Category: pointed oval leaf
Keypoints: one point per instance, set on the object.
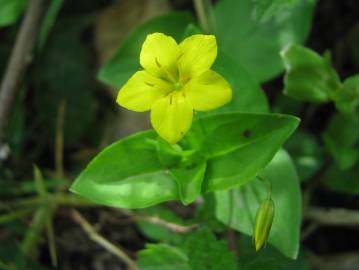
(237, 146)
(237, 207)
(127, 174)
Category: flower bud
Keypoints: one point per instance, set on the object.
(263, 223)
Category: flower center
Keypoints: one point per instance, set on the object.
(178, 86)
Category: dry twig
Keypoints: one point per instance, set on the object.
(19, 60)
(96, 237)
(177, 228)
(333, 216)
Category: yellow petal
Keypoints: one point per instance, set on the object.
(198, 53)
(141, 91)
(208, 91)
(159, 55)
(172, 116)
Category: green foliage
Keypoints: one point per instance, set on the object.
(127, 174)
(125, 62)
(341, 138)
(244, 149)
(214, 168)
(268, 258)
(189, 181)
(200, 251)
(247, 94)
(347, 100)
(49, 21)
(11, 10)
(266, 9)
(309, 77)
(52, 74)
(162, 257)
(342, 181)
(16, 130)
(130, 174)
(255, 45)
(306, 153)
(237, 207)
(205, 252)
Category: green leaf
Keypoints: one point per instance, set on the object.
(127, 174)
(205, 252)
(306, 153)
(347, 99)
(340, 139)
(268, 258)
(239, 146)
(205, 214)
(125, 62)
(237, 207)
(162, 257)
(130, 173)
(247, 95)
(200, 251)
(64, 56)
(255, 45)
(11, 10)
(266, 9)
(189, 181)
(342, 181)
(309, 77)
(49, 21)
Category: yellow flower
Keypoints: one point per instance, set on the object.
(176, 80)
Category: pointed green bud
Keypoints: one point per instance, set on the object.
(263, 224)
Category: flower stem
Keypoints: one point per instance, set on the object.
(205, 15)
(268, 183)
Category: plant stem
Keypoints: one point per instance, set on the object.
(205, 15)
(15, 215)
(32, 236)
(19, 60)
(60, 199)
(59, 141)
(51, 238)
(99, 239)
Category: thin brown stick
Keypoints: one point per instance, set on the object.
(173, 227)
(19, 60)
(334, 261)
(333, 216)
(308, 231)
(177, 228)
(232, 241)
(99, 239)
(59, 140)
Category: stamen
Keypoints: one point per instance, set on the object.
(158, 63)
(149, 84)
(179, 57)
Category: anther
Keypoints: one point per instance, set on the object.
(158, 63)
(149, 84)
